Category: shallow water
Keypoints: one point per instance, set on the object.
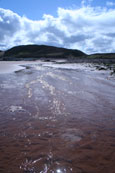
(12, 66)
(57, 120)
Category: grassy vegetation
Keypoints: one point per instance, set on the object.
(41, 51)
(102, 56)
(35, 52)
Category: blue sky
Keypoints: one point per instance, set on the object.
(88, 25)
(34, 9)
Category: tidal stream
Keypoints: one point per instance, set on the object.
(56, 118)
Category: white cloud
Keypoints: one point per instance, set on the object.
(86, 2)
(110, 3)
(83, 2)
(88, 29)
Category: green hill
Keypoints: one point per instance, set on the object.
(35, 52)
(40, 51)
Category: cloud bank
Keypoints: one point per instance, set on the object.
(88, 29)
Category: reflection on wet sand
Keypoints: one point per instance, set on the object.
(55, 120)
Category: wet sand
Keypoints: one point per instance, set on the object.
(57, 118)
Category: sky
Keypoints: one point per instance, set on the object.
(87, 25)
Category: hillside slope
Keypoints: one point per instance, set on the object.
(40, 51)
(36, 52)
